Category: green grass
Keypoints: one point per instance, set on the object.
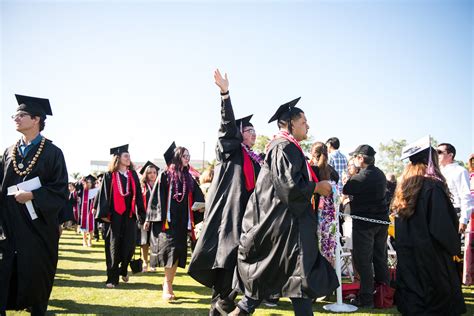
(79, 288)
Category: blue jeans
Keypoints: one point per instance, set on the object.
(301, 306)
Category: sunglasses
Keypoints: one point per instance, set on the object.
(440, 152)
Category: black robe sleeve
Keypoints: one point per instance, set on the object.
(443, 222)
(354, 185)
(103, 201)
(198, 196)
(157, 200)
(230, 137)
(140, 206)
(291, 183)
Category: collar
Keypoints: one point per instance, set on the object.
(35, 141)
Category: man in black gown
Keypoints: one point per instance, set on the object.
(29, 254)
(215, 255)
(278, 251)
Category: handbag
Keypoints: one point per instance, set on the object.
(383, 297)
(136, 265)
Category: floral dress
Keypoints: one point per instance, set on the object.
(327, 223)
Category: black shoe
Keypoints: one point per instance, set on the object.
(361, 304)
(225, 306)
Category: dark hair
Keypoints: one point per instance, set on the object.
(176, 170)
(449, 149)
(320, 159)
(333, 142)
(284, 121)
(368, 160)
(41, 122)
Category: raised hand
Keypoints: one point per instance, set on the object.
(221, 82)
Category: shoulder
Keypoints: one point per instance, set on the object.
(48, 145)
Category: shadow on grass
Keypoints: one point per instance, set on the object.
(81, 272)
(81, 259)
(70, 306)
(83, 250)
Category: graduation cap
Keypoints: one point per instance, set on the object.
(119, 150)
(33, 106)
(243, 122)
(169, 153)
(146, 165)
(90, 178)
(285, 110)
(418, 150)
(100, 176)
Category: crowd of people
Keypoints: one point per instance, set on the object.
(263, 226)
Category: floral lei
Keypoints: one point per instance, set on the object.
(253, 155)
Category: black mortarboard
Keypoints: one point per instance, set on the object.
(363, 150)
(169, 153)
(418, 150)
(288, 109)
(100, 176)
(90, 178)
(243, 122)
(33, 106)
(147, 164)
(119, 150)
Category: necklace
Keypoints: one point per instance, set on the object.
(120, 189)
(254, 156)
(32, 162)
(176, 189)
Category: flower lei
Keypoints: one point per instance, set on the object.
(253, 155)
(174, 179)
(119, 184)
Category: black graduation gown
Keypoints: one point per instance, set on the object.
(104, 203)
(120, 238)
(31, 247)
(427, 279)
(227, 198)
(144, 240)
(278, 251)
(170, 245)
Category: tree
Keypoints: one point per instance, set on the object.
(306, 144)
(389, 156)
(76, 175)
(261, 144)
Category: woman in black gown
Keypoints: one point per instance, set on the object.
(427, 239)
(170, 217)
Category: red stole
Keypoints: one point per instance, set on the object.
(119, 200)
(249, 171)
(146, 188)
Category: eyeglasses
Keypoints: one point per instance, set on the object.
(19, 115)
(250, 130)
(441, 152)
(187, 156)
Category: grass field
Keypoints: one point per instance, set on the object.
(79, 288)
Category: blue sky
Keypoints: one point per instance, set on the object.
(141, 72)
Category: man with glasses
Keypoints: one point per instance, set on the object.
(29, 213)
(215, 255)
(457, 179)
(369, 239)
